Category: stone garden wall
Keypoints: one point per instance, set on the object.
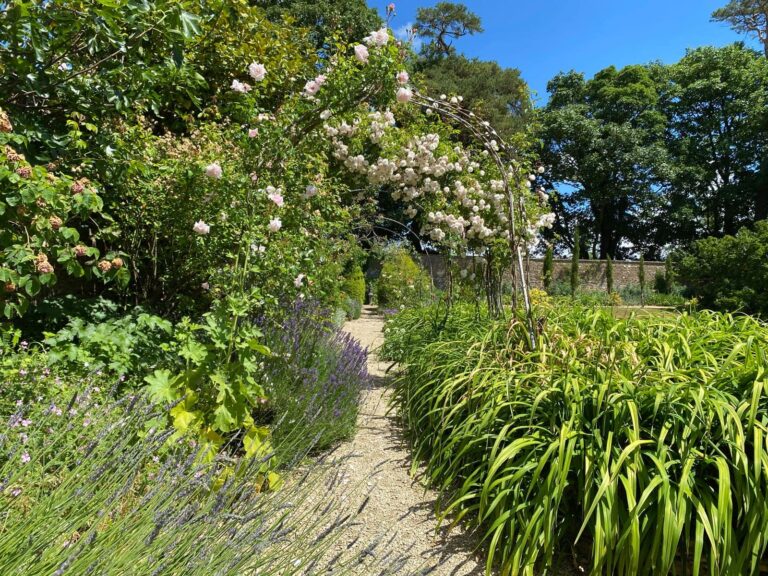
(591, 272)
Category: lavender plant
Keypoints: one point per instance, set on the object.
(90, 487)
(315, 375)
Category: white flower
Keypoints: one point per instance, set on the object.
(310, 191)
(253, 132)
(325, 114)
(402, 77)
(540, 170)
(546, 220)
(213, 170)
(275, 224)
(257, 71)
(201, 228)
(299, 281)
(311, 88)
(464, 273)
(404, 95)
(205, 286)
(241, 87)
(361, 53)
(379, 37)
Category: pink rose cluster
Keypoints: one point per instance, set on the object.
(213, 170)
(313, 86)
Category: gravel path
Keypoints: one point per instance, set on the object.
(399, 512)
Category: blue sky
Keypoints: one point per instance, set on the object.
(543, 37)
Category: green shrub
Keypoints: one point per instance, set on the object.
(132, 344)
(575, 262)
(45, 231)
(547, 268)
(729, 273)
(402, 281)
(353, 292)
(638, 444)
(352, 308)
(354, 284)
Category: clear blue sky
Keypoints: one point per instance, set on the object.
(543, 37)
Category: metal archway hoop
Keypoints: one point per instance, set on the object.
(486, 135)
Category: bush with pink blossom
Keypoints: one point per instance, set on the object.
(47, 233)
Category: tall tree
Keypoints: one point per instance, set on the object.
(497, 94)
(444, 23)
(748, 17)
(717, 139)
(603, 140)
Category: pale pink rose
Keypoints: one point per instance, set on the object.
(402, 77)
(205, 286)
(311, 88)
(320, 80)
(277, 199)
(253, 132)
(299, 281)
(361, 53)
(404, 95)
(213, 170)
(379, 37)
(275, 224)
(257, 71)
(201, 228)
(310, 191)
(241, 87)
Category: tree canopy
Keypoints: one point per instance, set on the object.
(444, 23)
(652, 157)
(748, 17)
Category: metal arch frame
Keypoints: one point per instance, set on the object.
(485, 134)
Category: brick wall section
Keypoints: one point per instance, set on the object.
(591, 272)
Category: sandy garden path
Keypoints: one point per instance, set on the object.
(400, 511)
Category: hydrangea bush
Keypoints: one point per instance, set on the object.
(47, 229)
